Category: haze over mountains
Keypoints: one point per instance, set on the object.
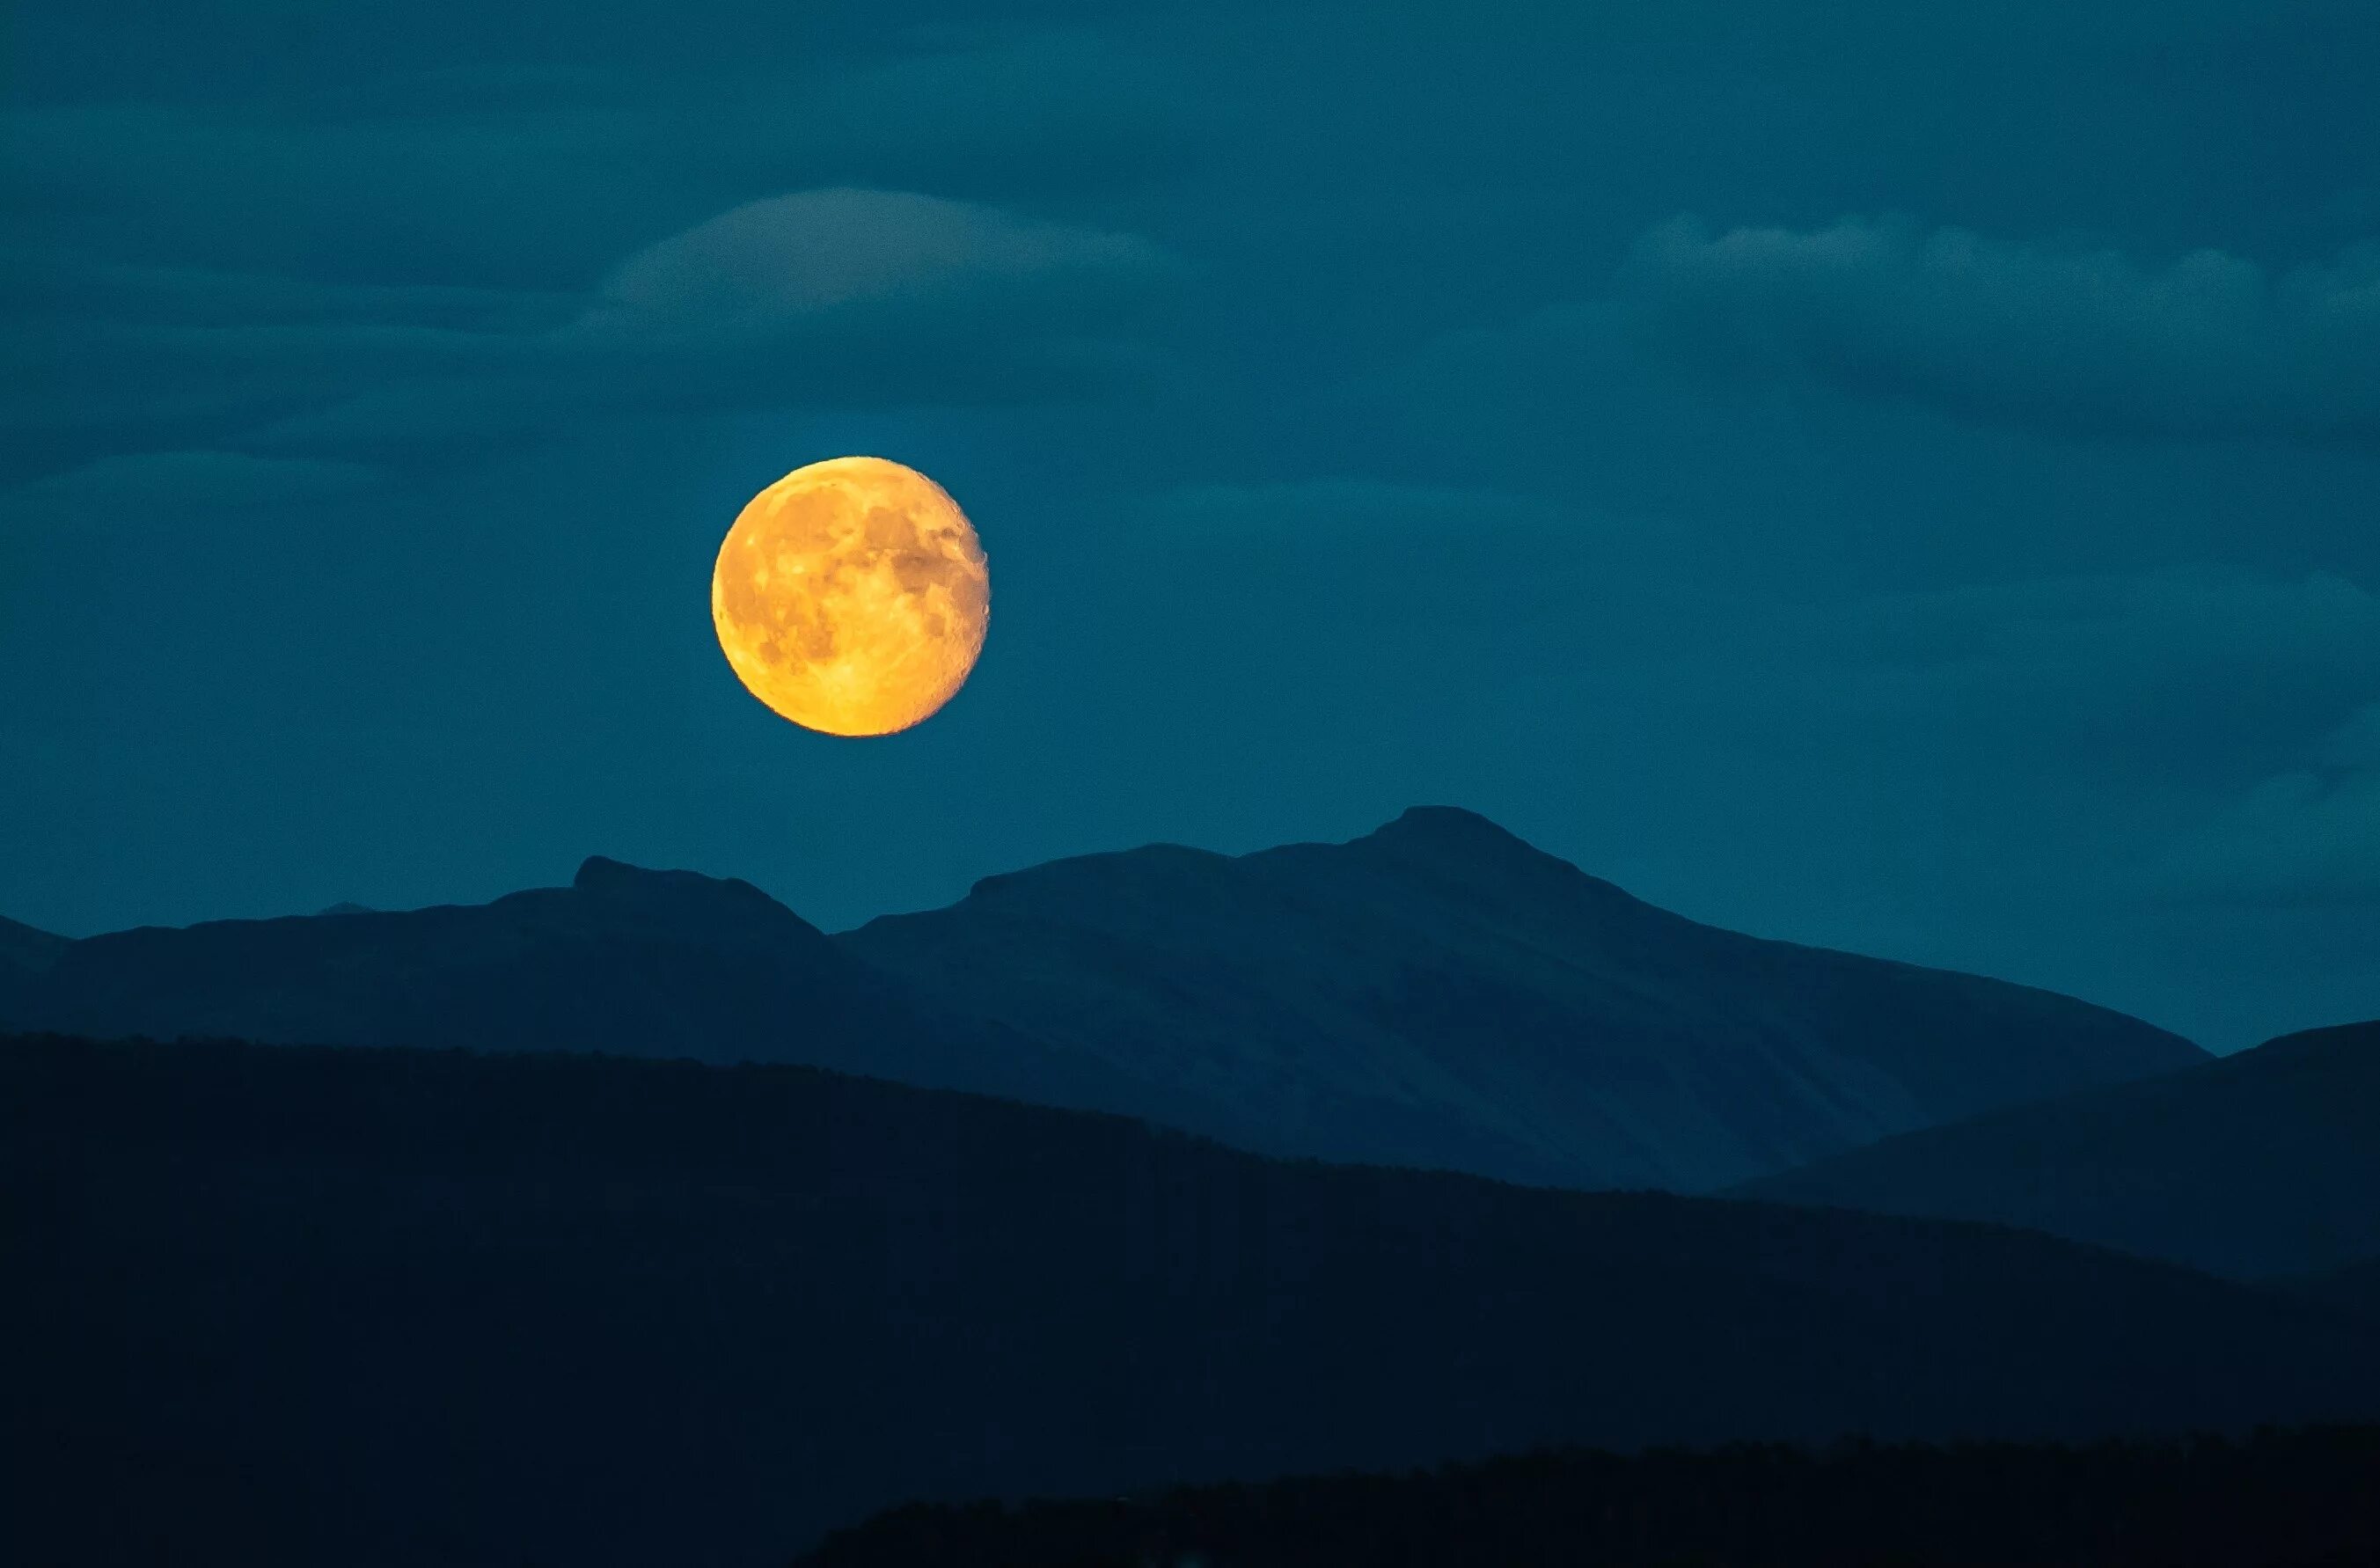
(1437, 993)
(2264, 1163)
(294, 1307)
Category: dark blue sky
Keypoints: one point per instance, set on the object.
(1904, 477)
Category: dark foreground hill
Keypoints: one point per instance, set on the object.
(623, 960)
(2355, 1286)
(278, 1305)
(2280, 1500)
(1439, 993)
(2262, 1163)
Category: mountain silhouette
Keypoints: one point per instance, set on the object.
(25, 954)
(1439, 993)
(623, 960)
(2264, 1163)
(371, 1306)
(24, 951)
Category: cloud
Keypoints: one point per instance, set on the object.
(533, 176)
(2125, 629)
(2304, 837)
(180, 480)
(2355, 743)
(2308, 836)
(2180, 679)
(1338, 509)
(775, 267)
(839, 295)
(2070, 339)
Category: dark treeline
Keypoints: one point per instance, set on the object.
(279, 1305)
(2277, 1500)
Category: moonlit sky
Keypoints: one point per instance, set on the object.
(1898, 477)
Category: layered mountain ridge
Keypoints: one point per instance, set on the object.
(1437, 993)
(623, 960)
(2265, 1163)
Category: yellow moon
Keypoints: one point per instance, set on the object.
(852, 597)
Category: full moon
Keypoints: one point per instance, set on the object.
(851, 596)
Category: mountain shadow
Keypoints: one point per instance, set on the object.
(2280, 1500)
(1438, 993)
(2260, 1164)
(287, 1305)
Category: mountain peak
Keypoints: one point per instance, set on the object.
(1452, 838)
(1449, 824)
(723, 905)
(600, 873)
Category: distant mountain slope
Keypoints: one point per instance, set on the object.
(2262, 1163)
(628, 961)
(25, 951)
(2278, 1499)
(274, 1306)
(1438, 993)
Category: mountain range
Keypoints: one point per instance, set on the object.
(1436, 994)
(2262, 1163)
(624, 960)
(284, 1305)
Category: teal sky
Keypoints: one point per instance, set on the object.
(1893, 477)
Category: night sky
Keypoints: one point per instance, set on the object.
(1897, 477)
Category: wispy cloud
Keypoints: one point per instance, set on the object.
(2090, 340)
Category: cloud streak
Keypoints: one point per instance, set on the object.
(2087, 341)
(180, 482)
(841, 296)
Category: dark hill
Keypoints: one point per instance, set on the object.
(1438, 993)
(625, 961)
(274, 1305)
(2262, 1163)
(2280, 1500)
(2355, 1286)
